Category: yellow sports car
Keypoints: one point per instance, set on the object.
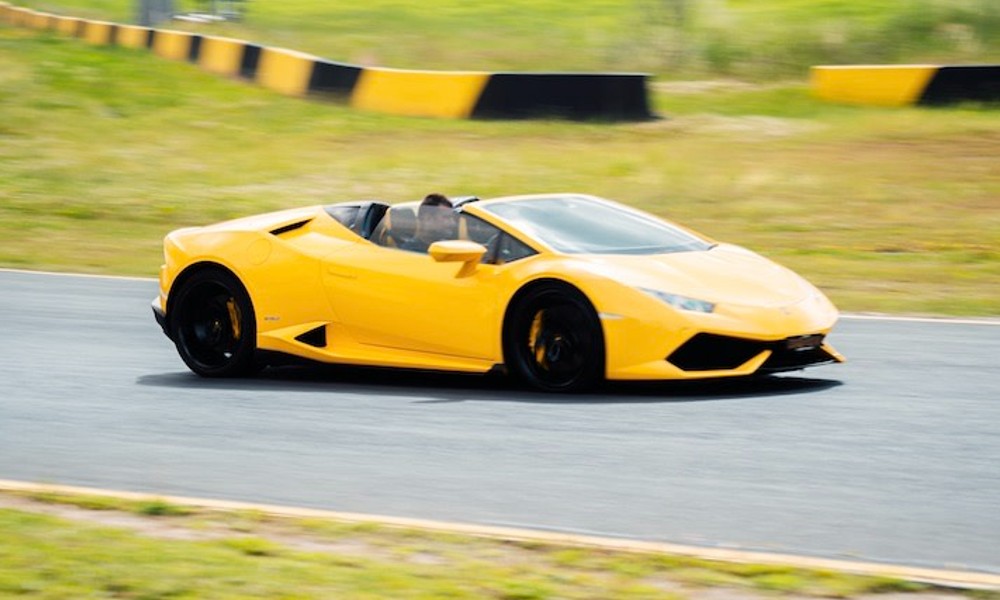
(561, 290)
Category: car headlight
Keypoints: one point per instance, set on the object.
(681, 302)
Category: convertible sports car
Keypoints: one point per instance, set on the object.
(560, 290)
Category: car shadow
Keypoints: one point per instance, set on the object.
(437, 388)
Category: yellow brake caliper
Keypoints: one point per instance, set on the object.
(234, 317)
(539, 349)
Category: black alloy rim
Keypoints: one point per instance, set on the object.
(211, 325)
(556, 352)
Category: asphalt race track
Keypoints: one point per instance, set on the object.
(892, 457)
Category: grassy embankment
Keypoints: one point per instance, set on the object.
(170, 551)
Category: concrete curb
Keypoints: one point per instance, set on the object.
(942, 577)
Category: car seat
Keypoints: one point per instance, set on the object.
(397, 229)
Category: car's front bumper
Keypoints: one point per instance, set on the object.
(729, 343)
(160, 316)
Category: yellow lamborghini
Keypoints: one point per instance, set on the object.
(560, 290)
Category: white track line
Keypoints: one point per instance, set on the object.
(945, 577)
(944, 320)
(83, 275)
(851, 316)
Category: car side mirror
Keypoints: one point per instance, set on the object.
(469, 253)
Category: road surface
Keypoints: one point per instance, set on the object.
(894, 456)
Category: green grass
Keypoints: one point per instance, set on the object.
(234, 555)
(104, 150)
(146, 507)
(756, 39)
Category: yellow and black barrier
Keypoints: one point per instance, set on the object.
(419, 93)
(100, 33)
(132, 36)
(905, 85)
(221, 56)
(620, 96)
(603, 96)
(174, 45)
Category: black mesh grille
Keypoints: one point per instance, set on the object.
(791, 360)
(711, 352)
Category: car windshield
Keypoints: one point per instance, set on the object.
(582, 225)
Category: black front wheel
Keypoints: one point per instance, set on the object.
(553, 340)
(213, 325)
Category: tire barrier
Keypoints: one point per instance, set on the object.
(451, 94)
(905, 85)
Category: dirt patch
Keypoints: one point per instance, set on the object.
(746, 128)
(701, 87)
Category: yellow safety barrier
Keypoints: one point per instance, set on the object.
(175, 45)
(221, 55)
(880, 85)
(18, 16)
(68, 25)
(98, 32)
(285, 71)
(418, 93)
(131, 36)
(39, 20)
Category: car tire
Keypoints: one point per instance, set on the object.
(213, 325)
(553, 339)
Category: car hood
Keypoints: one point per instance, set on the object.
(724, 274)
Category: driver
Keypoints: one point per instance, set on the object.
(436, 221)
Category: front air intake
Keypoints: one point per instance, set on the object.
(711, 352)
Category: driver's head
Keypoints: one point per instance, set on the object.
(436, 217)
(435, 200)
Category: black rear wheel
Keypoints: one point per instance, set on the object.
(553, 340)
(213, 325)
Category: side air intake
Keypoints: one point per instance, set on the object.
(290, 227)
(314, 337)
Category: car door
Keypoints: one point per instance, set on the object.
(406, 300)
